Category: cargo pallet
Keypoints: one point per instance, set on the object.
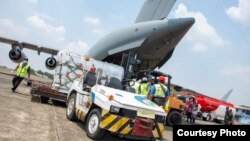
(41, 92)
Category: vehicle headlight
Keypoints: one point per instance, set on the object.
(114, 109)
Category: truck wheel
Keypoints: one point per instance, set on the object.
(92, 125)
(208, 117)
(71, 107)
(174, 118)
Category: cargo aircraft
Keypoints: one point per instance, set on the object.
(144, 45)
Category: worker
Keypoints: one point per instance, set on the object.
(194, 112)
(230, 116)
(159, 93)
(227, 117)
(144, 87)
(22, 70)
(151, 81)
(92, 68)
(191, 109)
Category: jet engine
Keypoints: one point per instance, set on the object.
(16, 55)
(50, 63)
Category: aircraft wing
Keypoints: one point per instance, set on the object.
(30, 46)
(154, 10)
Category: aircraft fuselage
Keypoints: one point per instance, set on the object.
(153, 42)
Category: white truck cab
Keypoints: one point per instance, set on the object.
(99, 100)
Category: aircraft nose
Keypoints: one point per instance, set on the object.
(181, 24)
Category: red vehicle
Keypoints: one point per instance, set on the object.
(210, 108)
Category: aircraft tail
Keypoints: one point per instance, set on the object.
(226, 96)
(154, 10)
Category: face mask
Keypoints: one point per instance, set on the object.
(25, 61)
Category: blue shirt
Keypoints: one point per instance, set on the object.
(153, 89)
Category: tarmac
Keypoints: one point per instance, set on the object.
(23, 120)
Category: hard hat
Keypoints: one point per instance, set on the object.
(152, 78)
(161, 78)
(144, 79)
(93, 69)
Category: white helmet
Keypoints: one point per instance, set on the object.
(151, 77)
(144, 79)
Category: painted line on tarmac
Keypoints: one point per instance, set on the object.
(54, 121)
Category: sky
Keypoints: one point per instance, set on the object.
(212, 58)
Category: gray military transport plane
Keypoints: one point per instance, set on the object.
(146, 44)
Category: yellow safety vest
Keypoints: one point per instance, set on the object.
(159, 92)
(22, 71)
(137, 90)
(136, 87)
(167, 105)
(144, 89)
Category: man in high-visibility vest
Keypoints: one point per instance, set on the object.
(22, 70)
(144, 87)
(159, 93)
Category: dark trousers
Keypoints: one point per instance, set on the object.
(159, 101)
(189, 116)
(16, 81)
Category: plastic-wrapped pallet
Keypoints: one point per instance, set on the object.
(108, 69)
(71, 67)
